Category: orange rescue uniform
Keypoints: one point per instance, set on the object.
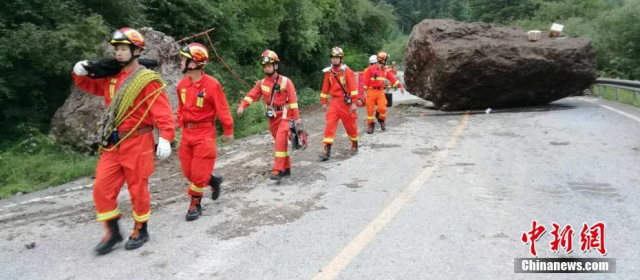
(338, 108)
(374, 79)
(132, 161)
(284, 100)
(200, 102)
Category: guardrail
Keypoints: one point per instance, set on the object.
(623, 91)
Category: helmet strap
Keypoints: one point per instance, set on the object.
(275, 70)
(340, 63)
(186, 66)
(132, 48)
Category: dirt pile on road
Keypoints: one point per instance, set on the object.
(74, 123)
(460, 66)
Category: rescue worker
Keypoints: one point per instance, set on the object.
(392, 69)
(201, 100)
(136, 102)
(374, 79)
(280, 97)
(340, 84)
(372, 61)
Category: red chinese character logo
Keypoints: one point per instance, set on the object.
(593, 237)
(562, 238)
(533, 236)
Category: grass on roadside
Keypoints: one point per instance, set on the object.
(37, 162)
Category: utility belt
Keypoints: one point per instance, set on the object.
(273, 110)
(347, 100)
(198, 125)
(377, 88)
(115, 135)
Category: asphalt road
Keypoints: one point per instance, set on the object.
(436, 196)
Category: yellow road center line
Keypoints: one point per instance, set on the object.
(348, 253)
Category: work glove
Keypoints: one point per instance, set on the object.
(79, 69)
(164, 149)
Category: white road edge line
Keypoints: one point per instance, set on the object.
(635, 118)
(348, 253)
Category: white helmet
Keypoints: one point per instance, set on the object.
(373, 59)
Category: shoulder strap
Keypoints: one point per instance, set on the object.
(344, 91)
(273, 88)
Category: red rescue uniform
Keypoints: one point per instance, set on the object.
(132, 161)
(338, 108)
(200, 103)
(374, 79)
(284, 100)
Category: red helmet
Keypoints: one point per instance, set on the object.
(336, 52)
(127, 36)
(382, 57)
(269, 56)
(196, 52)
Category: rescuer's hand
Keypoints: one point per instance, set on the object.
(164, 149)
(227, 138)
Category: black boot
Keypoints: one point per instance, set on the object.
(354, 147)
(195, 210)
(371, 128)
(326, 152)
(286, 172)
(111, 238)
(138, 237)
(383, 126)
(216, 186)
(276, 175)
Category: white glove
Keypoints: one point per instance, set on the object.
(79, 68)
(164, 149)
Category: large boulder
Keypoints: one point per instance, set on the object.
(74, 123)
(461, 66)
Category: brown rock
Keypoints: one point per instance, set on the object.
(461, 66)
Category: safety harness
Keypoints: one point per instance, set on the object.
(123, 101)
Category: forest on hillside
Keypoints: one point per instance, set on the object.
(41, 39)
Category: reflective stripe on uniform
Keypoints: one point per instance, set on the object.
(370, 117)
(195, 188)
(324, 95)
(248, 99)
(183, 95)
(112, 87)
(107, 215)
(293, 106)
(327, 140)
(396, 83)
(354, 93)
(282, 154)
(265, 88)
(141, 218)
(354, 139)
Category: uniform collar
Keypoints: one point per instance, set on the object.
(277, 76)
(197, 83)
